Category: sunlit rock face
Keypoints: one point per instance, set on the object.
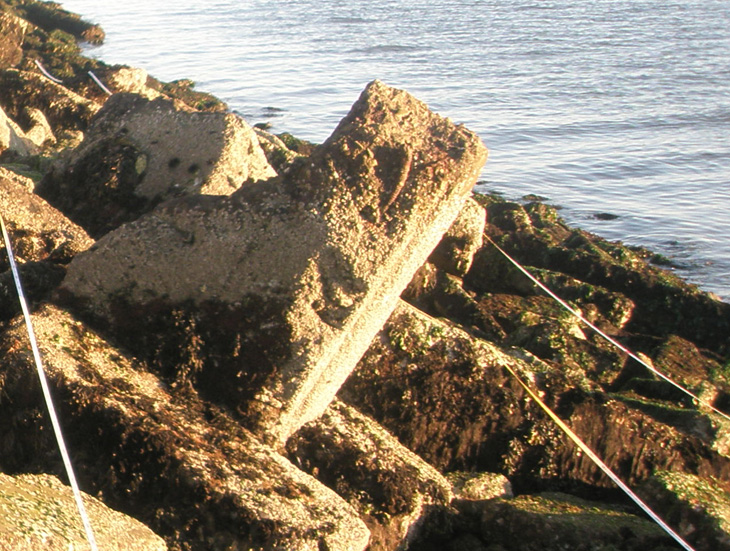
(138, 153)
(265, 299)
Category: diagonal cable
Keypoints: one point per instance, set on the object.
(603, 334)
(47, 393)
(597, 460)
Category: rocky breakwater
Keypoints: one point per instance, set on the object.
(256, 345)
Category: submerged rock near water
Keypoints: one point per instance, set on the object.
(273, 345)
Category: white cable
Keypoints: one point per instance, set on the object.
(603, 334)
(100, 83)
(47, 393)
(597, 460)
(48, 75)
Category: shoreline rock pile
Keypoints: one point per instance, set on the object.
(259, 344)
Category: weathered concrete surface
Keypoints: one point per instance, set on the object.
(182, 466)
(39, 512)
(392, 488)
(42, 239)
(275, 292)
(12, 32)
(138, 153)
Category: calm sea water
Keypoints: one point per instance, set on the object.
(599, 106)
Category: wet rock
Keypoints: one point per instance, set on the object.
(38, 512)
(446, 396)
(265, 300)
(663, 304)
(12, 32)
(391, 487)
(138, 153)
(182, 466)
(699, 508)
(441, 392)
(554, 522)
(50, 16)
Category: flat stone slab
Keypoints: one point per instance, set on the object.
(266, 299)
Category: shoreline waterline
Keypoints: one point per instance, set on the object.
(626, 116)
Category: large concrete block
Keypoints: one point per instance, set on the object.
(265, 300)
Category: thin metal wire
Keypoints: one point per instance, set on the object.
(597, 460)
(99, 83)
(47, 392)
(48, 75)
(604, 335)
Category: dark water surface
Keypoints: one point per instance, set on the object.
(599, 106)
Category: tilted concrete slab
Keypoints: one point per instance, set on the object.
(265, 300)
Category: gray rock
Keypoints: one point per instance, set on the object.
(391, 487)
(132, 80)
(40, 132)
(39, 512)
(138, 153)
(185, 468)
(266, 299)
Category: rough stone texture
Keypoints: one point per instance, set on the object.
(551, 521)
(12, 137)
(277, 153)
(38, 512)
(40, 132)
(391, 487)
(63, 109)
(455, 253)
(12, 32)
(37, 230)
(479, 486)
(444, 394)
(555, 522)
(138, 153)
(275, 292)
(23, 181)
(698, 508)
(183, 467)
(132, 80)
